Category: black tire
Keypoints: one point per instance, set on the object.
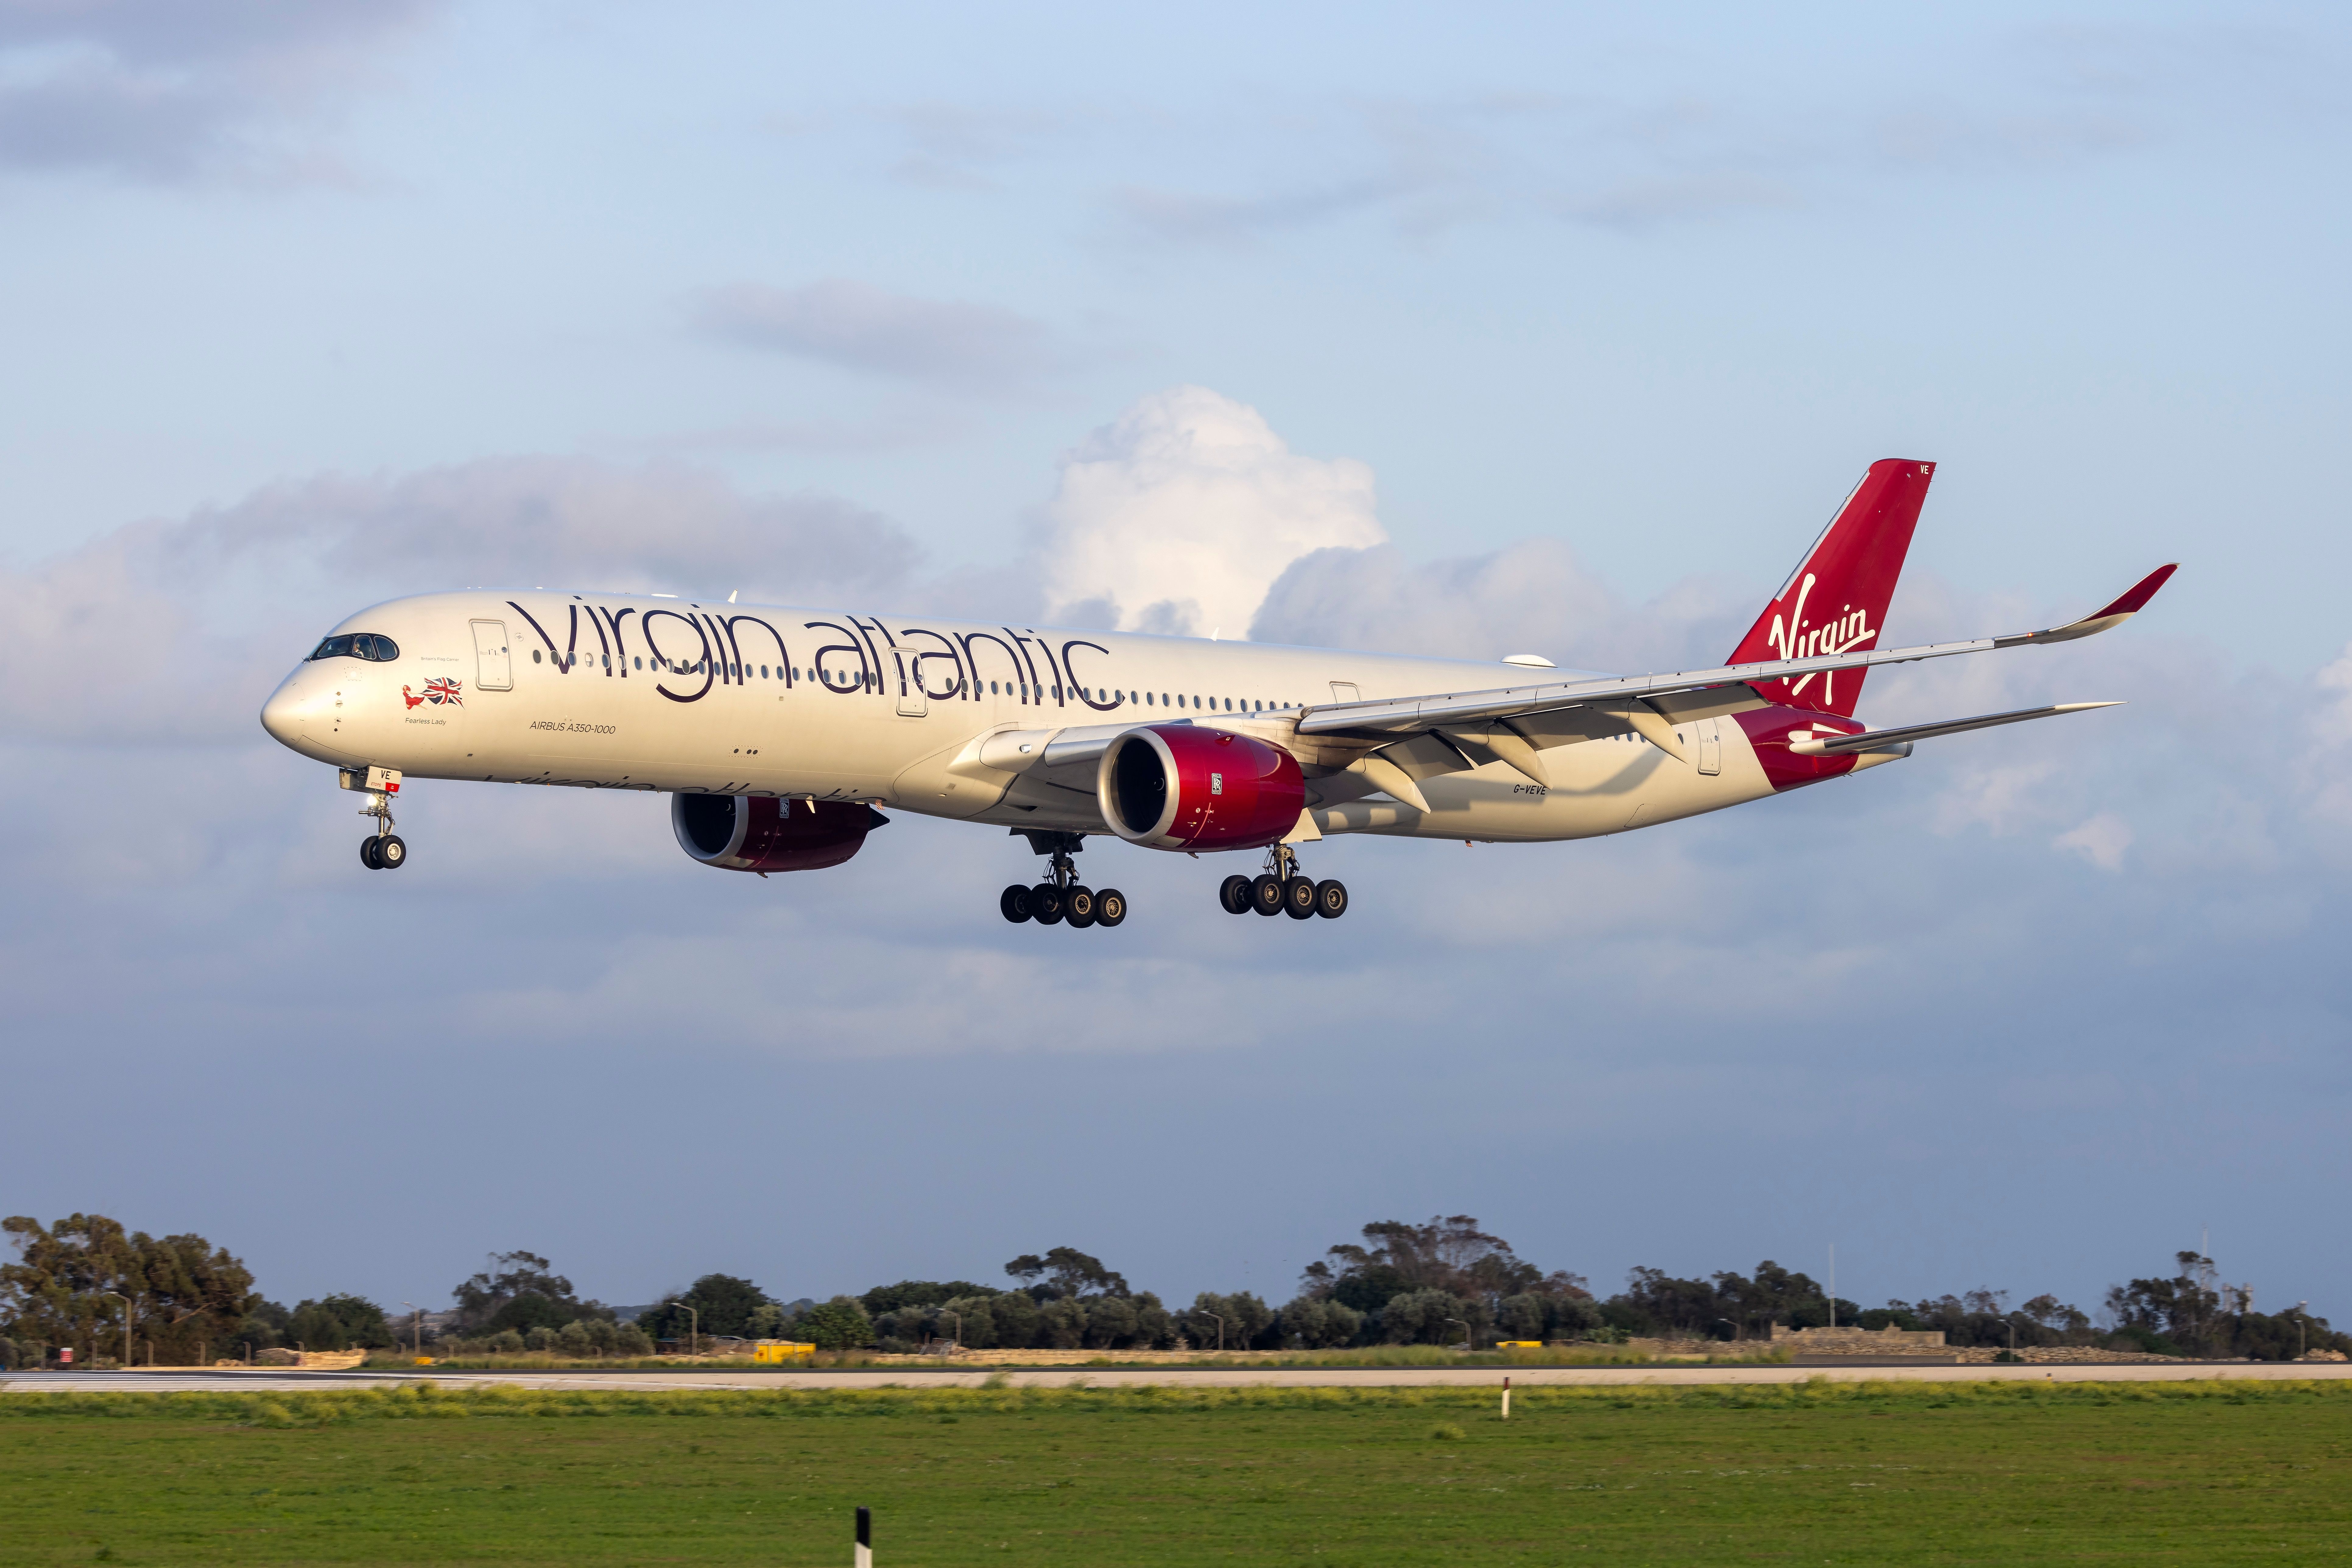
(1266, 894)
(1045, 905)
(367, 853)
(1234, 892)
(1013, 903)
(1110, 907)
(1081, 907)
(1331, 899)
(390, 853)
(1298, 898)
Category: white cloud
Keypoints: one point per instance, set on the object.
(2102, 841)
(1532, 597)
(861, 328)
(1178, 515)
(175, 631)
(171, 88)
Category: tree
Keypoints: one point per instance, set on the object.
(1246, 1319)
(726, 1302)
(1426, 1317)
(722, 1305)
(483, 1300)
(837, 1324)
(339, 1323)
(1450, 1253)
(1065, 1272)
(917, 1293)
(1314, 1324)
(185, 1293)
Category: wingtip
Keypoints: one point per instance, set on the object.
(2136, 598)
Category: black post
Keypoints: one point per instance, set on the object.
(864, 1558)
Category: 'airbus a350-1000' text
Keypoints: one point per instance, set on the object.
(778, 733)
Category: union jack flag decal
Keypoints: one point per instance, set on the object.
(444, 691)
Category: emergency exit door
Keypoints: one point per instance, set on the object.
(493, 672)
(913, 701)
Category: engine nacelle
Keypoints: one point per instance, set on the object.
(745, 833)
(1192, 786)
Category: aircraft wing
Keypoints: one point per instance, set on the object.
(1381, 721)
(1880, 739)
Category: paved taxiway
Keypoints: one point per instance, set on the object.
(171, 1380)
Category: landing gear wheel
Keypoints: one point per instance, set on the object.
(1110, 907)
(390, 853)
(1235, 894)
(1298, 898)
(1015, 904)
(1046, 904)
(1081, 904)
(367, 853)
(1266, 894)
(1331, 899)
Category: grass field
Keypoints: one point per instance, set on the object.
(2203, 1473)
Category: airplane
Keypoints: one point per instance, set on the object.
(780, 733)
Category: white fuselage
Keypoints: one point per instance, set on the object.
(645, 692)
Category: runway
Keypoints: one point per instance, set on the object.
(170, 1381)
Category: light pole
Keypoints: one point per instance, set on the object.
(126, 1323)
(1466, 1331)
(1221, 1328)
(956, 1344)
(2301, 1331)
(694, 1328)
(418, 1325)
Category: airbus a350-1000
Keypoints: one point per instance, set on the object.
(777, 732)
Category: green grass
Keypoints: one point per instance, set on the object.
(1845, 1473)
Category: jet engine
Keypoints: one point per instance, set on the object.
(1192, 786)
(744, 833)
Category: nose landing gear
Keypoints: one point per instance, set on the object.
(1281, 890)
(382, 849)
(1060, 899)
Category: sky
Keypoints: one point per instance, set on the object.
(1465, 331)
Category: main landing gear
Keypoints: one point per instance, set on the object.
(1060, 898)
(381, 850)
(1280, 889)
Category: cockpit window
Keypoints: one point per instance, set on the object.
(368, 645)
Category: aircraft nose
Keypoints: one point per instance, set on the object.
(284, 714)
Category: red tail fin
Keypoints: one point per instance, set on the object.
(1836, 599)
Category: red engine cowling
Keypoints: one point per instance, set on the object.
(1190, 786)
(743, 833)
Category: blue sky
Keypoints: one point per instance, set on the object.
(1591, 315)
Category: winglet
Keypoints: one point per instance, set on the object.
(2133, 601)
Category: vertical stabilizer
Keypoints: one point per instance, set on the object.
(1836, 599)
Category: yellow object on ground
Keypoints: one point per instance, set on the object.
(776, 1351)
(1519, 1344)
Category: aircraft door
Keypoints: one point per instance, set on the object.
(1710, 746)
(913, 701)
(493, 672)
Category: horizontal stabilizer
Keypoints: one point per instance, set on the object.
(1880, 739)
